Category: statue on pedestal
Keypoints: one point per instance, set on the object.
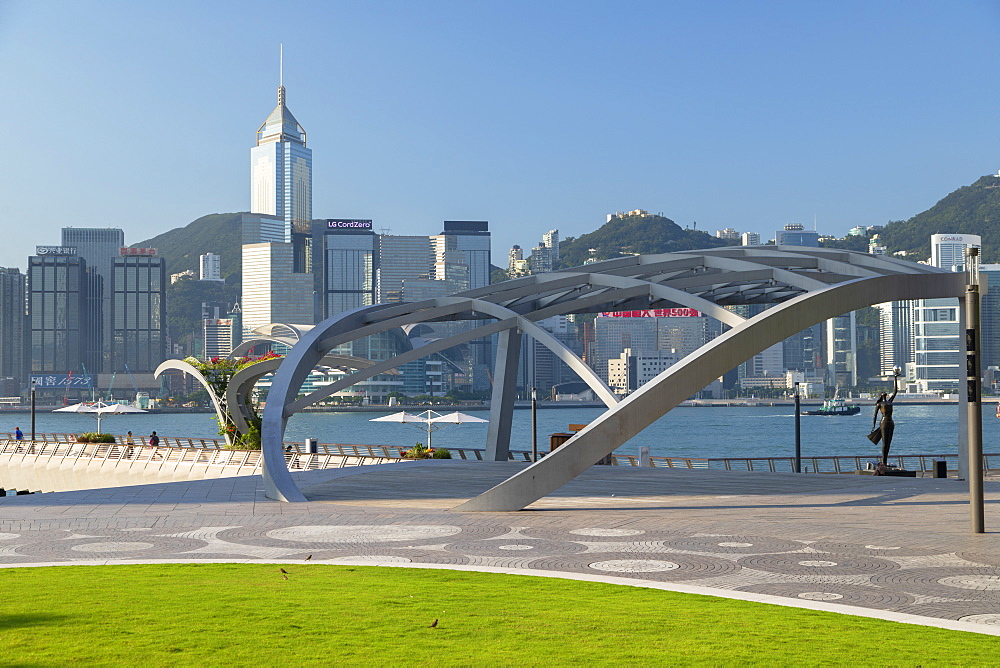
(882, 431)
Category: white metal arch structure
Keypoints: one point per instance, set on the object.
(816, 284)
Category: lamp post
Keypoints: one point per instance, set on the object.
(32, 410)
(534, 425)
(973, 394)
(798, 430)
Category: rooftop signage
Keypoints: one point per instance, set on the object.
(348, 224)
(654, 313)
(55, 250)
(125, 252)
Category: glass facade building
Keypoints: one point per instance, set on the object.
(281, 169)
(138, 315)
(12, 326)
(345, 265)
(59, 320)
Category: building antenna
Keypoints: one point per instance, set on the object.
(281, 64)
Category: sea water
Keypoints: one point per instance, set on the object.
(684, 432)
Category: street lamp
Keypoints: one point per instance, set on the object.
(798, 431)
(33, 410)
(534, 425)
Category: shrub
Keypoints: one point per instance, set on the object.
(94, 437)
(441, 453)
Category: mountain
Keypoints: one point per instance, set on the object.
(632, 234)
(217, 233)
(973, 209)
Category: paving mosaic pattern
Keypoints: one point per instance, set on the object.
(893, 546)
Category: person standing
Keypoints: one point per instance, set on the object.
(18, 435)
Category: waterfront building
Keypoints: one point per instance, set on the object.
(540, 367)
(895, 335)
(12, 330)
(795, 234)
(402, 258)
(842, 350)
(750, 239)
(211, 267)
(990, 314)
(614, 333)
(281, 169)
(938, 346)
(59, 323)
(138, 315)
(465, 242)
(633, 369)
(345, 261)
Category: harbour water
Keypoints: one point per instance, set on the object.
(684, 432)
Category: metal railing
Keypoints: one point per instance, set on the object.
(333, 455)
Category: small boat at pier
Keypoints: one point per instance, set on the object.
(836, 406)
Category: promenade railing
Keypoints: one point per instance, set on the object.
(333, 455)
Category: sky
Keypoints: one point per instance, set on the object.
(532, 115)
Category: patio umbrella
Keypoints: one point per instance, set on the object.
(456, 418)
(99, 409)
(432, 419)
(407, 418)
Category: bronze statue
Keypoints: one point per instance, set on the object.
(883, 431)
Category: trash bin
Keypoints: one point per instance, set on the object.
(311, 446)
(940, 468)
(557, 439)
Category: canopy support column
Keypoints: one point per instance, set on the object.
(504, 394)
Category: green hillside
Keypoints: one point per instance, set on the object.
(973, 209)
(630, 235)
(217, 233)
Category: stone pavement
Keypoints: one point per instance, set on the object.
(894, 548)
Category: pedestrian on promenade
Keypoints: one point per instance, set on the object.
(129, 446)
(18, 436)
(154, 440)
(129, 440)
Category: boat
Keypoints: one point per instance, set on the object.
(836, 406)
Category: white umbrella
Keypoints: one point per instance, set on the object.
(432, 419)
(98, 409)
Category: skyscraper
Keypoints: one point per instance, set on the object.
(138, 314)
(281, 169)
(12, 323)
(272, 291)
(211, 267)
(466, 242)
(345, 265)
(402, 258)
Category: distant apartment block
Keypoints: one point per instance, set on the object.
(210, 266)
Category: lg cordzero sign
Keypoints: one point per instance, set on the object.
(345, 224)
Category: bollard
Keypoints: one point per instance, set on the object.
(312, 446)
(644, 456)
(940, 468)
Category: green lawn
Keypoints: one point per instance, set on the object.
(249, 615)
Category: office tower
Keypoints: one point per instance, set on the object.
(841, 350)
(98, 247)
(272, 290)
(402, 258)
(345, 259)
(938, 348)
(59, 321)
(795, 234)
(138, 314)
(464, 242)
(684, 330)
(221, 336)
(12, 329)
(211, 267)
(541, 368)
(633, 369)
(613, 334)
(989, 276)
(803, 351)
(895, 335)
(551, 241)
(281, 169)
(257, 228)
(750, 239)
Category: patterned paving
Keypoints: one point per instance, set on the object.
(884, 547)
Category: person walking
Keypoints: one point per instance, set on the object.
(154, 440)
(18, 435)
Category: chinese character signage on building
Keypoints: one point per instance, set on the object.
(654, 313)
(55, 250)
(61, 380)
(124, 252)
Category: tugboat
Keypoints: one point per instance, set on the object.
(836, 406)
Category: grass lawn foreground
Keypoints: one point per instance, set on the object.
(249, 614)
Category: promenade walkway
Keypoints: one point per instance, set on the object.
(894, 548)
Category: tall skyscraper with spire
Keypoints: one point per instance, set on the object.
(281, 169)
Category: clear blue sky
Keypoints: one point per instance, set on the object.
(531, 115)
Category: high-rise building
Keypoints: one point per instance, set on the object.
(345, 265)
(210, 266)
(59, 319)
(221, 336)
(281, 169)
(614, 334)
(541, 259)
(750, 239)
(402, 258)
(272, 290)
(841, 350)
(464, 242)
(551, 241)
(729, 234)
(989, 275)
(99, 247)
(895, 335)
(12, 328)
(937, 344)
(633, 369)
(138, 314)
